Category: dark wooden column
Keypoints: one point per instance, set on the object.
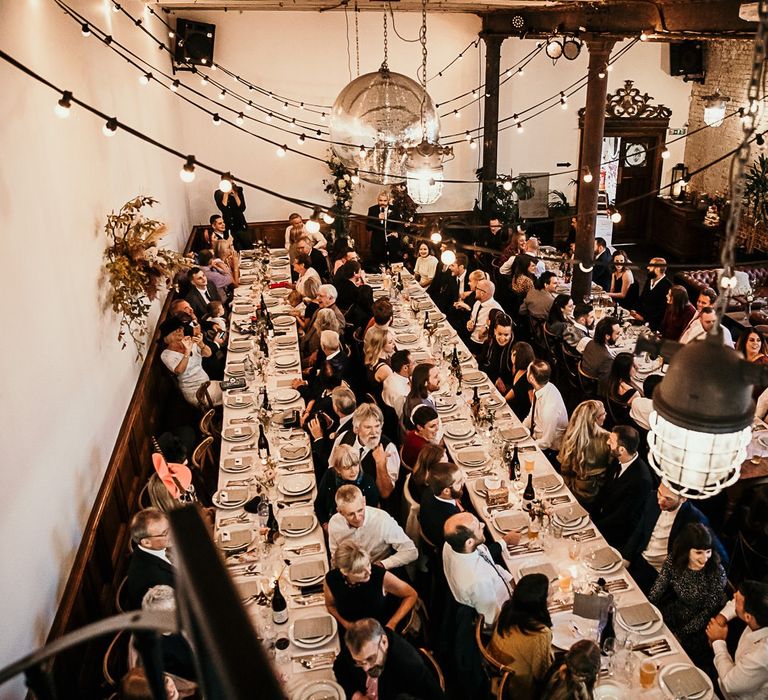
(491, 109)
(591, 152)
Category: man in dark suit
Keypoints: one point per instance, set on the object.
(316, 257)
(149, 565)
(653, 298)
(201, 292)
(601, 274)
(457, 288)
(665, 514)
(441, 500)
(326, 430)
(380, 228)
(623, 496)
(378, 663)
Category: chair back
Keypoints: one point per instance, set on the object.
(114, 664)
(433, 666)
(207, 424)
(618, 411)
(570, 364)
(494, 666)
(204, 400)
(587, 382)
(121, 605)
(746, 563)
(502, 690)
(144, 499)
(411, 512)
(201, 455)
(429, 546)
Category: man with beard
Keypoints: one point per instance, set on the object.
(473, 577)
(378, 454)
(381, 665)
(626, 489)
(578, 333)
(653, 298)
(317, 260)
(372, 528)
(597, 359)
(441, 500)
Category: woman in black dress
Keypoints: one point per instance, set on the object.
(690, 590)
(519, 396)
(496, 360)
(560, 315)
(354, 589)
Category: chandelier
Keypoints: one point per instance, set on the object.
(376, 117)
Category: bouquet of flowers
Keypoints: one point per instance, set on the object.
(341, 185)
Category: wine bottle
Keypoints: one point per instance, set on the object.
(475, 407)
(529, 495)
(279, 606)
(514, 465)
(270, 325)
(265, 404)
(271, 523)
(608, 630)
(455, 358)
(250, 373)
(263, 444)
(264, 345)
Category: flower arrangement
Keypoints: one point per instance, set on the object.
(137, 268)
(341, 186)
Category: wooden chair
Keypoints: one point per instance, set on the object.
(551, 345)
(494, 666)
(204, 400)
(114, 664)
(208, 425)
(429, 547)
(144, 500)
(201, 455)
(746, 563)
(618, 411)
(433, 666)
(416, 626)
(121, 604)
(587, 383)
(570, 365)
(501, 692)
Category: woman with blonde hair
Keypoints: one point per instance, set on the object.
(380, 344)
(354, 589)
(585, 455)
(225, 251)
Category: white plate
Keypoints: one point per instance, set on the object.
(314, 643)
(672, 668)
(649, 628)
(459, 429)
(573, 526)
(286, 360)
(246, 433)
(610, 690)
(474, 377)
(235, 369)
(283, 320)
(229, 505)
(304, 453)
(319, 690)
(296, 484)
(229, 546)
(287, 396)
(611, 569)
(406, 338)
(565, 630)
(298, 533)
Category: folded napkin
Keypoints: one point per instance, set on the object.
(550, 481)
(541, 568)
(474, 376)
(313, 627)
(240, 344)
(306, 570)
(236, 537)
(474, 456)
(250, 587)
(604, 558)
(296, 523)
(234, 494)
(517, 432)
(638, 615)
(571, 514)
(685, 682)
(235, 368)
(444, 401)
(480, 486)
(241, 431)
(293, 451)
(237, 462)
(240, 400)
(514, 521)
(406, 337)
(591, 605)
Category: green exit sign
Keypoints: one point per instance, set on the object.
(677, 132)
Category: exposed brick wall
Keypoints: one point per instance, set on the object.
(728, 65)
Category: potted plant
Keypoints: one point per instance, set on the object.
(754, 223)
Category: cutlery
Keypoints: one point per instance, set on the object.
(239, 482)
(243, 448)
(288, 504)
(501, 506)
(309, 601)
(557, 500)
(560, 607)
(304, 549)
(235, 569)
(618, 584)
(247, 419)
(582, 535)
(660, 646)
(471, 443)
(523, 549)
(242, 518)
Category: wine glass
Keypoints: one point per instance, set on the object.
(610, 646)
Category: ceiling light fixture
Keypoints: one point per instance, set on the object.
(714, 108)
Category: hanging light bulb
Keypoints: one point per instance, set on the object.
(171, 34)
(665, 153)
(322, 116)
(327, 218)
(601, 74)
(222, 95)
(249, 106)
(362, 151)
(175, 86)
(456, 113)
(355, 178)
(609, 68)
(285, 106)
(448, 257)
(115, 7)
(204, 80)
(187, 172)
(216, 120)
(110, 127)
(225, 184)
(313, 225)
(145, 78)
(269, 117)
(643, 36)
(587, 177)
(714, 108)
(301, 139)
(507, 185)
(563, 101)
(63, 106)
(474, 94)
(520, 71)
(85, 29)
(518, 124)
(472, 144)
(616, 216)
(213, 65)
(239, 119)
(282, 151)
(436, 237)
(424, 171)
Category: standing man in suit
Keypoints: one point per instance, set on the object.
(601, 274)
(149, 565)
(623, 496)
(381, 229)
(441, 500)
(201, 292)
(653, 298)
(665, 514)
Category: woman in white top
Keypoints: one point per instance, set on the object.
(309, 281)
(183, 355)
(426, 266)
(296, 230)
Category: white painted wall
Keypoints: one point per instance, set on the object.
(65, 383)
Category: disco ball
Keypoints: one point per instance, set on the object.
(375, 118)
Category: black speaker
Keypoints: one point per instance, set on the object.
(686, 58)
(194, 43)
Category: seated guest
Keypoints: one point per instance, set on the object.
(652, 304)
(381, 664)
(479, 316)
(519, 394)
(496, 359)
(378, 454)
(426, 426)
(623, 289)
(523, 272)
(618, 385)
(678, 314)
(707, 298)
(213, 364)
(372, 528)
(622, 499)
(547, 419)
(597, 359)
(176, 654)
(326, 430)
(360, 313)
(459, 315)
(201, 292)
(585, 455)
(346, 282)
(640, 409)
(426, 265)
(473, 577)
(441, 500)
(397, 385)
(317, 259)
(664, 516)
(752, 344)
(217, 272)
(539, 299)
(522, 636)
(575, 678)
(354, 589)
(183, 355)
(560, 315)
(578, 332)
(296, 230)
(425, 380)
(382, 313)
(149, 565)
(690, 589)
(458, 287)
(745, 675)
(344, 468)
(601, 273)
(308, 280)
(429, 456)
(702, 324)
(224, 250)
(326, 299)
(379, 348)
(342, 253)
(323, 320)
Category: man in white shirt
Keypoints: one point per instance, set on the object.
(480, 313)
(372, 528)
(532, 249)
(548, 418)
(745, 676)
(703, 324)
(473, 577)
(397, 385)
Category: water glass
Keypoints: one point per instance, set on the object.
(574, 550)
